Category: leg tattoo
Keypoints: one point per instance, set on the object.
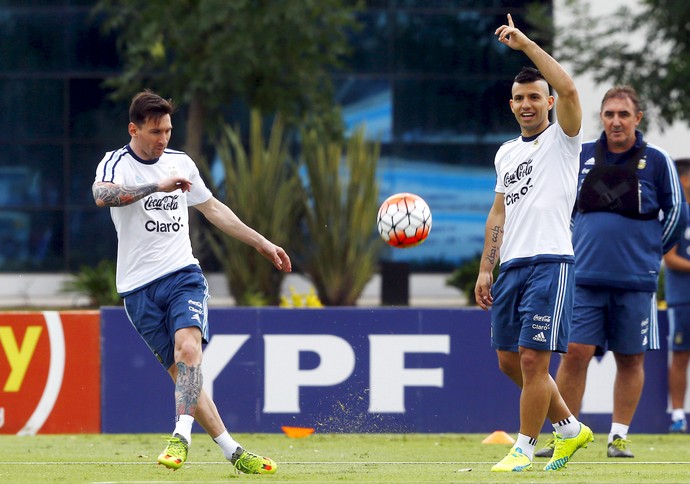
(187, 388)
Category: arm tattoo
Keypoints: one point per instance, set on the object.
(492, 254)
(112, 195)
(187, 389)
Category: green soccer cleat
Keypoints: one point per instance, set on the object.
(515, 461)
(564, 449)
(175, 454)
(547, 450)
(249, 463)
(619, 447)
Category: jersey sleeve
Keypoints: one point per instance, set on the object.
(572, 145)
(500, 186)
(199, 192)
(107, 168)
(672, 203)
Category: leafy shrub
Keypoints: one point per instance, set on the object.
(97, 283)
(343, 248)
(262, 186)
(465, 278)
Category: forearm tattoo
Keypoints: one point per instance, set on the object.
(187, 389)
(496, 238)
(111, 195)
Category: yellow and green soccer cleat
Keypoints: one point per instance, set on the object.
(175, 454)
(249, 463)
(564, 449)
(515, 461)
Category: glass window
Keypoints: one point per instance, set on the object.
(31, 175)
(32, 41)
(368, 103)
(378, 3)
(32, 109)
(84, 160)
(470, 154)
(442, 111)
(93, 115)
(92, 237)
(33, 3)
(478, 4)
(426, 77)
(440, 43)
(31, 240)
(92, 50)
(371, 44)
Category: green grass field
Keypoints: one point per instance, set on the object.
(329, 457)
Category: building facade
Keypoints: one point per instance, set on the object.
(427, 77)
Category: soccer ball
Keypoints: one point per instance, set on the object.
(404, 220)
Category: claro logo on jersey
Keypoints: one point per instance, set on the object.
(49, 365)
(164, 227)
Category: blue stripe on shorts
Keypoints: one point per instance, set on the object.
(533, 307)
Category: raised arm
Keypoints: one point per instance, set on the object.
(568, 105)
(113, 195)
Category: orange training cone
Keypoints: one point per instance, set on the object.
(499, 437)
(297, 432)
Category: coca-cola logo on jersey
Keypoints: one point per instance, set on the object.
(168, 202)
(520, 172)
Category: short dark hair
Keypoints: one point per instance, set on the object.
(149, 105)
(527, 75)
(683, 166)
(623, 92)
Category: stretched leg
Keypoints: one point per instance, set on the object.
(206, 412)
(570, 379)
(571, 376)
(191, 397)
(186, 373)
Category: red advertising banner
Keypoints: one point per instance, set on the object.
(50, 372)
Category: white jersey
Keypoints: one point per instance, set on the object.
(538, 177)
(153, 233)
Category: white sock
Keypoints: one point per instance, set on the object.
(526, 444)
(227, 444)
(568, 427)
(619, 430)
(184, 427)
(678, 414)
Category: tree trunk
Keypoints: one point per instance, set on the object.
(194, 135)
(194, 147)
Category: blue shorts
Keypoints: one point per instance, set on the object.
(532, 307)
(159, 309)
(617, 320)
(679, 327)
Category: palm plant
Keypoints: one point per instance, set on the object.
(341, 209)
(262, 186)
(97, 283)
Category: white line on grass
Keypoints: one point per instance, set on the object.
(100, 463)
